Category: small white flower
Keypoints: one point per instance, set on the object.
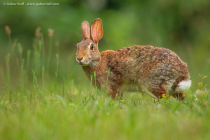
(196, 99)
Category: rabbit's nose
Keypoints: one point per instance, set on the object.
(79, 59)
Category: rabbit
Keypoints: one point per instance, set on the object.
(154, 70)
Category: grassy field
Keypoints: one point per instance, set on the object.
(44, 95)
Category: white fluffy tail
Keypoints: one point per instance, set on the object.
(182, 86)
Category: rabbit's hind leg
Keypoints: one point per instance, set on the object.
(180, 96)
(148, 92)
(159, 91)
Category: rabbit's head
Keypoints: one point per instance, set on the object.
(87, 50)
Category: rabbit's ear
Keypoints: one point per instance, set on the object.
(85, 30)
(96, 30)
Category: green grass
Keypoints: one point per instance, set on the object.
(85, 114)
(46, 96)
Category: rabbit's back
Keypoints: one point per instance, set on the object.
(145, 66)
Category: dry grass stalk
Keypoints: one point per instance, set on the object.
(8, 30)
(50, 31)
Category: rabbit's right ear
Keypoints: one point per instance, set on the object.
(96, 30)
(85, 30)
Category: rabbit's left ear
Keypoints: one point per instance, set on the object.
(96, 30)
(85, 30)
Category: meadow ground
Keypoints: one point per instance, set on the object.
(44, 95)
(90, 114)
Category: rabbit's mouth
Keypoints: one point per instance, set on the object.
(83, 63)
(87, 63)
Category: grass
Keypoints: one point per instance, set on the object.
(42, 99)
(84, 114)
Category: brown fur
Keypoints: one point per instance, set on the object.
(149, 67)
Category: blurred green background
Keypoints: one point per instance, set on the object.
(182, 26)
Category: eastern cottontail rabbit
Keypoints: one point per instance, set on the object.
(156, 71)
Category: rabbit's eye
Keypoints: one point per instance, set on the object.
(91, 46)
